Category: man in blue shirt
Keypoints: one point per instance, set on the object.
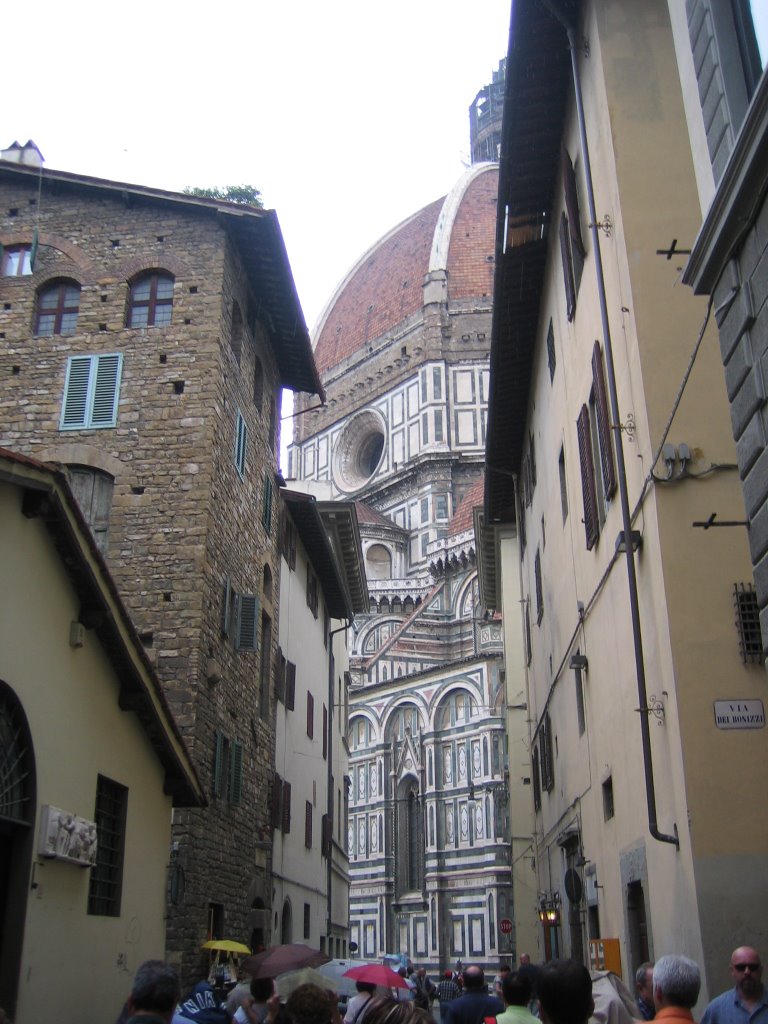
(746, 1003)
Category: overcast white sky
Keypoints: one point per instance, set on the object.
(348, 115)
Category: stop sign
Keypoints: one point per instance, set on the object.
(505, 926)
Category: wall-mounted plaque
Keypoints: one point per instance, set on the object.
(739, 714)
(65, 836)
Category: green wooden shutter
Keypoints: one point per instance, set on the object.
(75, 404)
(106, 386)
(236, 772)
(247, 617)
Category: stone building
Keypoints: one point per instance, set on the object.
(402, 348)
(610, 454)
(145, 337)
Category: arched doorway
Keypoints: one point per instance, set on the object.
(18, 802)
(286, 923)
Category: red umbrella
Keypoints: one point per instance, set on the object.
(376, 974)
(280, 959)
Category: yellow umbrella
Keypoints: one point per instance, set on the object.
(226, 946)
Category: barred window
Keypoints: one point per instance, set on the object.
(106, 881)
(748, 623)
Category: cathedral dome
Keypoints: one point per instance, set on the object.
(454, 235)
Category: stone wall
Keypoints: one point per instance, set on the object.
(182, 520)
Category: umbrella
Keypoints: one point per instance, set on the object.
(226, 946)
(376, 974)
(286, 984)
(281, 959)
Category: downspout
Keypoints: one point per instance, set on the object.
(642, 693)
(329, 779)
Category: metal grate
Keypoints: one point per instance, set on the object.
(15, 763)
(748, 622)
(107, 873)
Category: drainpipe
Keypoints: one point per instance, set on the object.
(329, 781)
(642, 693)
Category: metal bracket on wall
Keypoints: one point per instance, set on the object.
(605, 225)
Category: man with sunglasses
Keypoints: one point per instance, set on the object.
(746, 1003)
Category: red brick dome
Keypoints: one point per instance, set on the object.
(455, 234)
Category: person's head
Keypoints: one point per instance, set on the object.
(310, 1004)
(676, 982)
(422, 972)
(503, 970)
(402, 972)
(155, 989)
(747, 971)
(448, 975)
(365, 986)
(262, 989)
(516, 989)
(644, 982)
(474, 978)
(386, 1010)
(564, 989)
(525, 959)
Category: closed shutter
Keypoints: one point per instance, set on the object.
(241, 440)
(290, 685)
(536, 781)
(236, 773)
(565, 252)
(589, 495)
(226, 605)
(571, 201)
(325, 731)
(105, 392)
(308, 825)
(286, 822)
(310, 716)
(76, 392)
(280, 676)
(277, 801)
(247, 617)
(218, 764)
(539, 590)
(603, 422)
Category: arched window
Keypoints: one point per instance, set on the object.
(378, 562)
(404, 717)
(17, 261)
(151, 300)
(267, 583)
(456, 709)
(236, 335)
(58, 305)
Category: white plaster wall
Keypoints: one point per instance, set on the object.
(78, 731)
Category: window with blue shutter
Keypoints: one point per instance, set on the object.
(235, 772)
(247, 617)
(91, 392)
(241, 439)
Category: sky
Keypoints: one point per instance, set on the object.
(347, 115)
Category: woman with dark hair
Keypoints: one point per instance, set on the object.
(357, 1007)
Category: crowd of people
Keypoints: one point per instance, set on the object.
(556, 992)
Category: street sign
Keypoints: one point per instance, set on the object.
(505, 926)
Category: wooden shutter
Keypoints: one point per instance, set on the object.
(571, 201)
(219, 758)
(290, 685)
(226, 605)
(247, 618)
(235, 772)
(75, 404)
(565, 252)
(266, 511)
(325, 731)
(539, 590)
(105, 391)
(310, 716)
(536, 781)
(280, 676)
(286, 809)
(603, 421)
(588, 491)
(550, 757)
(277, 801)
(308, 825)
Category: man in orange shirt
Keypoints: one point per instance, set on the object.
(676, 984)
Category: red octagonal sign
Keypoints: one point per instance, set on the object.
(505, 926)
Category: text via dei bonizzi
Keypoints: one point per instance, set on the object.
(739, 714)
